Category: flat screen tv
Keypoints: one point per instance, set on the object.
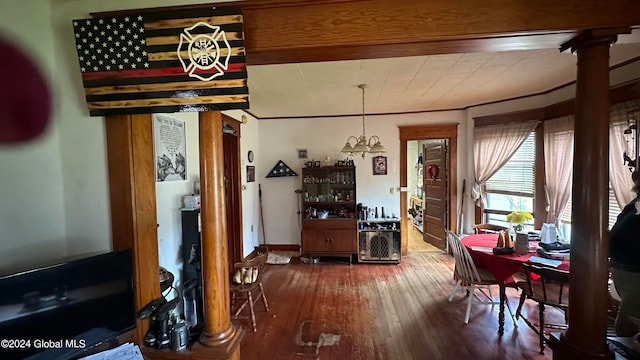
(60, 311)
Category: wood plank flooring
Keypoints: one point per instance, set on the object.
(379, 311)
(416, 242)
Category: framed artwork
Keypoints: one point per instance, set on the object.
(380, 165)
(170, 148)
(251, 173)
(302, 153)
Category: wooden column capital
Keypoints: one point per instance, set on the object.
(594, 37)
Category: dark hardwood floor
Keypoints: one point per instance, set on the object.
(379, 311)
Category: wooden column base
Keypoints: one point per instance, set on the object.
(563, 350)
(223, 344)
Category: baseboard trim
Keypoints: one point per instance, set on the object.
(275, 247)
(283, 247)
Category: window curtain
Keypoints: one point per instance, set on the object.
(558, 160)
(493, 146)
(619, 174)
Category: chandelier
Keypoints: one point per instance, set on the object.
(362, 145)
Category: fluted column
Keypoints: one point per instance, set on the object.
(586, 335)
(219, 333)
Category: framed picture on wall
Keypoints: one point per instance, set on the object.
(380, 165)
(170, 149)
(251, 173)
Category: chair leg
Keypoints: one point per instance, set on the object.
(455, 289)
(523, 297)
(240, 308)
(468, 311)
(253, 314)
(513, 318)
(264, 297)
(541, 333)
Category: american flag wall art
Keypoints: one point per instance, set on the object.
(163, 61)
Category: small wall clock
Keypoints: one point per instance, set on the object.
(250, 156)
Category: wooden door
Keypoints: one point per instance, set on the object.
(232, 185)
(436, 191)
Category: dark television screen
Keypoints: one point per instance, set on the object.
(62, 310)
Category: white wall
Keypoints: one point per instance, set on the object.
(32, 214)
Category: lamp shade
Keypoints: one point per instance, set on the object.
(347, 148)
(377, 148)
(361, 146)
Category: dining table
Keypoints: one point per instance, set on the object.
(502, 266)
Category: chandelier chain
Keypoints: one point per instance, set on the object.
(362, 86)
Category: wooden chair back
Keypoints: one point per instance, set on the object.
(248, 274)
(551, 286)
(465, 268)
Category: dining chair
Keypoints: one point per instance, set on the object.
(470, 277)
(546, 286)
(488, 228)
(247, 279)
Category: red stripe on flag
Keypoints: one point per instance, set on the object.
(87, 76)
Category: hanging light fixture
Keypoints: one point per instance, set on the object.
(362, 145)
(631, 153)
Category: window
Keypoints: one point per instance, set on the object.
(513, 186)
(565, 221)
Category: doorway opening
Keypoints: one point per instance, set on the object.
(430, 187)
(427, 195)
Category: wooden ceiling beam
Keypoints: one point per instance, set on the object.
(338, 53)
(292, 31)
(325, 30)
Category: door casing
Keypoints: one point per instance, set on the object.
(422, 132)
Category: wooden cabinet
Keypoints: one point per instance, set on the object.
(329, 241)
(329, 225)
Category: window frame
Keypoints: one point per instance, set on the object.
(487, 212)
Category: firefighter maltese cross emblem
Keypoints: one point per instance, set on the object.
(201, 54)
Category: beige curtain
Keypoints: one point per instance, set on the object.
(619, 174)
(493, 146)
(558, 160)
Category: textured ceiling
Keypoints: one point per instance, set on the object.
(412, 84)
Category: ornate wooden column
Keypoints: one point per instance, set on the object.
(586, 335)
(222, 337)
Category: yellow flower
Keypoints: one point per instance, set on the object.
(519, 217)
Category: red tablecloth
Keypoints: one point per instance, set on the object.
(502, 266)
